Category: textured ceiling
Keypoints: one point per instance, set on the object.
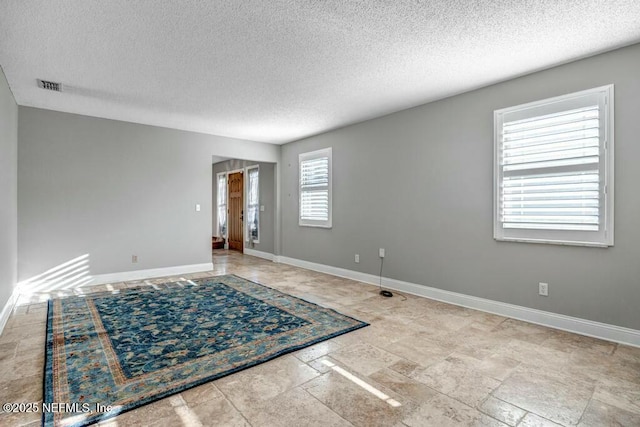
(280, 70)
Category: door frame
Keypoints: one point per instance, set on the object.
(227, 173)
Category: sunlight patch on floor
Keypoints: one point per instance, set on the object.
(365, 385)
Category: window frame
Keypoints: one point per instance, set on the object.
(312, 155)
(605, 236)
(226, 203)
(246, 207)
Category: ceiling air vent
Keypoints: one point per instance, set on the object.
(44, 84)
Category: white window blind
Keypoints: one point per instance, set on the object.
(253, 204)
(222, 204)
(315, 188)
(555, 170)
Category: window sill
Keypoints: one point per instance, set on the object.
(554, 242)
(315, 225)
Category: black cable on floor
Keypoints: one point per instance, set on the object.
(386, 293)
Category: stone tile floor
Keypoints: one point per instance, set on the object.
(420, 363)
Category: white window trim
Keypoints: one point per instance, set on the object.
(247, 232)
(607, 188)
(325, 152)
(226, 175)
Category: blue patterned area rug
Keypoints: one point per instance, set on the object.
(127, 348)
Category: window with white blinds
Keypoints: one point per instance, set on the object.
(554, 170)
(315, 188)
(253, 204)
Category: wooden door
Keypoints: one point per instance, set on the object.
(236, 213)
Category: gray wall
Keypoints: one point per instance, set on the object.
(112, 189)
(420, 182)
(8, 191)
(267, 199)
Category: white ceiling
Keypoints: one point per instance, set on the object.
(281, 70)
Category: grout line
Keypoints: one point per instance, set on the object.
(615, 349)
(587, 405)
(225, 397)
(509, 403)
(326, 406)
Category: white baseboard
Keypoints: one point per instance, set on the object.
(149, 273)
(8, 308)
(259, 254)
(576, 325)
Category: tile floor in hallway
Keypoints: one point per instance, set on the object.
(419, 363)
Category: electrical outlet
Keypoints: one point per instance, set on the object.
(357, 258)
(134, 258)
(381, 252)
(198, 207)
(543, 289)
